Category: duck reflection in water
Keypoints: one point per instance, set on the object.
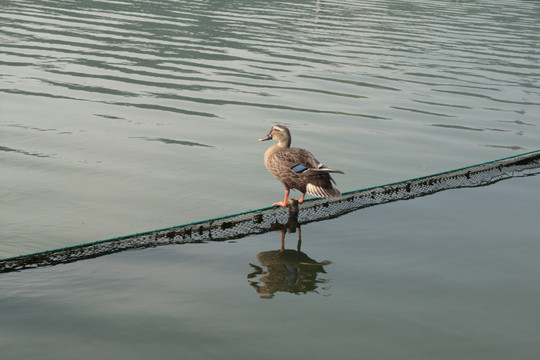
(287, 270)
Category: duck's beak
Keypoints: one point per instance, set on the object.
(268, 137)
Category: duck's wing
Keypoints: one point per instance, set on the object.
(297, 168)
(315, 175)
(303, 162)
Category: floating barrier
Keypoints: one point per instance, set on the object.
(263, 220)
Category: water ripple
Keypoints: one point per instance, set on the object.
(200, 53)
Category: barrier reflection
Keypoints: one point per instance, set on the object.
(287, 270)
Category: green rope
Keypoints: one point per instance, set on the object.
(261, 220)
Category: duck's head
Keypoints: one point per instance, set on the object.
(279, 133)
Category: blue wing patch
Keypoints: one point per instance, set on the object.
(299, 168)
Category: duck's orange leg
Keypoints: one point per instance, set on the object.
(302, 198)
(286, 201)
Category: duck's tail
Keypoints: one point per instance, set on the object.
(322, 169)
(326, 191)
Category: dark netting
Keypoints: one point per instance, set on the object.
(265, 219)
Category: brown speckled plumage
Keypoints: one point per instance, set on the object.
(311, 176)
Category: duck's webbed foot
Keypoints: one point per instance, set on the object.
(286, 201)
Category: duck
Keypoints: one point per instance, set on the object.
(296, 168)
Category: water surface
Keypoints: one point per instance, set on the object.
(120, 117)
(448, 276)
(125, 116)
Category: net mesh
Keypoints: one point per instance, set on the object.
(264, 220)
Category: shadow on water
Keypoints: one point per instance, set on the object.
(287, 270)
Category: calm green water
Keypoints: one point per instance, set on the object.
(389, 285)
(125, 116)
